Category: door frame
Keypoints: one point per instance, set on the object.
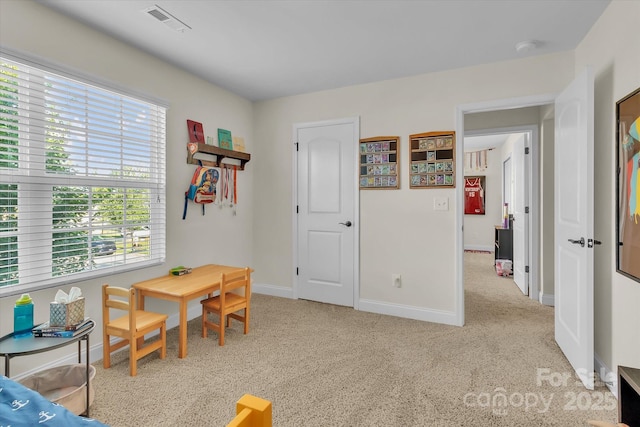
(534, 244)
(355, 121)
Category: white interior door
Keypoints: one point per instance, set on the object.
(573, 200)
(520, 218)
(326, 227)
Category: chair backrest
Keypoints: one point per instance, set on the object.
(119, 299)
(236, 280)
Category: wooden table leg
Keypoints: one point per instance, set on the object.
(182, 347)
(140, 341)
(140, 300)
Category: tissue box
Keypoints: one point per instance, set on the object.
(66, 314)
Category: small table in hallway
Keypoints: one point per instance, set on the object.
(201, 281)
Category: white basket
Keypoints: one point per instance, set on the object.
(504, 267)
(64, 385)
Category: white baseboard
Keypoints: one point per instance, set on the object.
(479, 248)
(547, 299)
(272, 290)
(95, 353)
(607, 376)
(371, 306)
(409, 312)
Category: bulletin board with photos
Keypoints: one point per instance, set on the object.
(379, 163)
(432, 156)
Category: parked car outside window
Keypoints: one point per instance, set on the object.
(103, 247)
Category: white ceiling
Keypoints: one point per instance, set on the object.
(268, 49)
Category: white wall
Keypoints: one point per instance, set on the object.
(611, 49)
(506, 152)
(400, 231)
(217, 237)
(516, 117)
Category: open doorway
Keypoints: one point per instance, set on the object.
(512, 116)
(573, 269)
(500, 159)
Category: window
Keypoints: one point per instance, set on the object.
(82, 179)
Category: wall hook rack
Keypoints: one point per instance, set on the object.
(209, 155)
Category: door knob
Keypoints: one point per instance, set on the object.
(348, 223)
(592, 242)
(578, 242)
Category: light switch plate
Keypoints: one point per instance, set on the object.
(441, 204)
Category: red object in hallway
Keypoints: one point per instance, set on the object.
(474, 195)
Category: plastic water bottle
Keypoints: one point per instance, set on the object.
(23, 317)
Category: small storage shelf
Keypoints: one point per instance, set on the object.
(379, 163)
(629, 395)
(504, 243)
(432, 156)
(194, 149)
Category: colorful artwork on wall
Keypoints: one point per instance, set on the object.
(628, 185)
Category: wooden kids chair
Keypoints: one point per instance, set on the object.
(227, 305)
(131, 327)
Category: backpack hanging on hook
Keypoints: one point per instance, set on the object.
(203, 189)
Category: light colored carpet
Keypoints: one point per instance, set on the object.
(323, 365)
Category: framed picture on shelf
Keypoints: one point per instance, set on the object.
(196, 132)
(628, 192)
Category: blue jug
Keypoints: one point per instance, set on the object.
(23, 317)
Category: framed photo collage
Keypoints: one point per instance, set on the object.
(379, 163)
(432, 161)
(432, 157)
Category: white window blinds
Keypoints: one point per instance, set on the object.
(82, 179)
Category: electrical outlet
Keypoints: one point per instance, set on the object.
(396, 280)
(441, 204)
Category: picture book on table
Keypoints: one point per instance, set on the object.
(45, 330)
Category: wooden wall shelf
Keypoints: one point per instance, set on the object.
(217, 152)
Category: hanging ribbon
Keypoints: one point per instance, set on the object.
(235, 186)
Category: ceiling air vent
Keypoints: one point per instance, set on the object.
(166, 18)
